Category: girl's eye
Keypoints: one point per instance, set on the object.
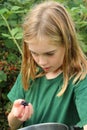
(50, 54)
(35, 54)
(46, 54)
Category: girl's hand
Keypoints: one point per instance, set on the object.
(22, 111)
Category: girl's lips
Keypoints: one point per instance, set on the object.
(47, 68)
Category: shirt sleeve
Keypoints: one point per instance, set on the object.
(81, 101)
(17, 91)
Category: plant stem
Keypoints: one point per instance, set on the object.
(14, 40)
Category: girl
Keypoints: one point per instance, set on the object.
(53, 75)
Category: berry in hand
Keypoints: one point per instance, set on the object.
(24, 103)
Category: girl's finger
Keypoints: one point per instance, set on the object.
(18, 110)
(24, 114)
(17, 103)
(30, 110)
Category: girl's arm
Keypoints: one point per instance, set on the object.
(14, 123)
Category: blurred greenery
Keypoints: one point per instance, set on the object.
(12, 13)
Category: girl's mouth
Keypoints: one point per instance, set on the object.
(46, 69)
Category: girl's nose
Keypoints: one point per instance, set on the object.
(42, 60)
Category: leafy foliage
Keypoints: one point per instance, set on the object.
(12, 13)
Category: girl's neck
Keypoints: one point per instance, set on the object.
(52, 75)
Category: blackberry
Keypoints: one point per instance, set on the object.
(24, 103)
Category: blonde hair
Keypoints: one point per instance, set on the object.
(50, 19)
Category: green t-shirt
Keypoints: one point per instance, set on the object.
(70, 108)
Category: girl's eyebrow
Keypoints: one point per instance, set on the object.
(44, 52)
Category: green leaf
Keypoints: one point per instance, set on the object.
(12, 57)
(2, 23)
(3, 76)
(21, 11)
(4, 10)
(14, 31)
(6, 35)
(9, 44)
(15, 8)
(17, 33)
(19, 36)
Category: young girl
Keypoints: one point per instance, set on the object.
(53, 75)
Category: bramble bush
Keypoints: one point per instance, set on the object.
(11, 18)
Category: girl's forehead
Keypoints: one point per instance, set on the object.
(41, 44)
(42, 47)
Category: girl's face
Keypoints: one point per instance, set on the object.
(48, 56)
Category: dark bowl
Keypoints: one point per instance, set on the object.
(46, 126)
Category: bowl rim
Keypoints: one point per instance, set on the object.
(48, 123)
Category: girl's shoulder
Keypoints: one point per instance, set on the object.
(81, 86)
